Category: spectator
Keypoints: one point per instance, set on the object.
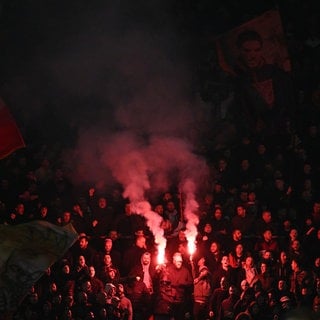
(80, 219)
(265, 277)
(242, 221)
(18, 215)
(131, 256)
(214, 256)
(220, 224)
(174, 296)
(96, 284)
(102, 217)
(218, 295)
(223, 270)
(267, 243)
(83, 248)
(250, 272)
(299, 279)
(110, 250)
(202, 291)
(237, 259)
(125, 307)
(80, 272)
(265, 222)
(228, 305)
(282, 268)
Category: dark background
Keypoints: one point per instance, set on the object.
(60, 68)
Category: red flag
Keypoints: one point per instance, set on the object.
(10, 136)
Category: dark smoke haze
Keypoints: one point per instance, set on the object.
(121, 73)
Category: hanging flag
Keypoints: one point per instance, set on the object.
(10, 136)
(26, 251)
(274, 48)
(255, 64)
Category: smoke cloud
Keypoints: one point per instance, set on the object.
(122, 75)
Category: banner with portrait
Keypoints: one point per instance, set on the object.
(274, 49)
(255, 57)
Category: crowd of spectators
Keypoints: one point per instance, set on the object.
(257, 244)
(258, 253)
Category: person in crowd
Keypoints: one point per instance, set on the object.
(125, 305)
(140, 297)
(80, 272)
(205, 238)
(236, 238)
(64, 279)
(250, 272)
(223, 270)
(265, 222)
(223, 174)
(228, 305)
(174, 241)
(82, 247)
(102, 218)
(220, 225)
(109, 249)
(145, 270)
(282, 290)
(172, 214)
(82, 309)
(44, 214)
(80, 219)
(213, 256)
(244, 300)
(132, 255)
(108, 272)
(202, 290)
(206, 206)
(296, 252)
(65, 218)
(242, 221)
(218, 295)
(311, 243)
(18, 215)
(244, 176)
(265, 277)
(267, 243)
(175, 289)
(315, 214)
(86, 287)
(96, 284)
(115, 237)
(127, 225)
(253, 206)
(237, 259)
(282, 268)
(300, 280)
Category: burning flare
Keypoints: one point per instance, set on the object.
(190, 215)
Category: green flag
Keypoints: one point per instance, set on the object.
(26, 252)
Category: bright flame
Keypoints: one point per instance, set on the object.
(161, 253)
(190, 214)
(191, 246)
